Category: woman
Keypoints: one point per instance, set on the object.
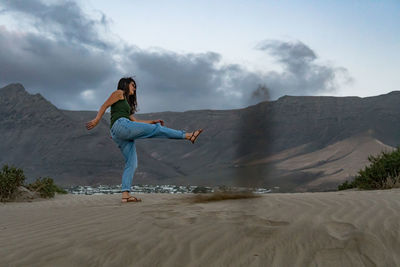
(125, 129)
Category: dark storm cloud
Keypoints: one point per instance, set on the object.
(64, 19)
(65, 57)
(51, 67)
(198, 81)
(69, 63)
(189, 81)
(301, 75)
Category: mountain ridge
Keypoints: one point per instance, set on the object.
(47, 141)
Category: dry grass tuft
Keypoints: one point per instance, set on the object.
(392, 182)
(219, 196)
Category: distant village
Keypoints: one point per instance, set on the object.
(168, 189)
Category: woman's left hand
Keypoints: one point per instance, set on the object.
(91, 124)
(158, 121)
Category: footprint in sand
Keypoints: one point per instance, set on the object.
(354, 248)
(340, 230)
(253, 219)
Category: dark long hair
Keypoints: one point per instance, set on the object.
(123, 85)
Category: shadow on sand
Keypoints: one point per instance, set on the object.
(219, 196)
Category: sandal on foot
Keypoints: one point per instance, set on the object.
(195, 135)
(130, 199)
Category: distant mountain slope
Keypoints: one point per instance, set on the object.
(333, 163)
(297, 143)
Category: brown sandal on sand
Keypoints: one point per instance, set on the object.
(195, 136)
(130, 199)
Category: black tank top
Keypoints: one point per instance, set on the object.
(120, 109)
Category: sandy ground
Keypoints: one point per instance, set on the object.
(349, 228)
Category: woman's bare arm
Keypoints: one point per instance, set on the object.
(132, 118)
(114, 97)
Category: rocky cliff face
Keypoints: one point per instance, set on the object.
(238, 147)
(44, 141)
(292, 120)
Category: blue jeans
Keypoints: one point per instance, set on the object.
(124, 132)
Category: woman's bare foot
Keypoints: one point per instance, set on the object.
(193, 136)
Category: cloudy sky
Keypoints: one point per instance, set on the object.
(188, 55)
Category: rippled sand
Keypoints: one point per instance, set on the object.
(306, 229)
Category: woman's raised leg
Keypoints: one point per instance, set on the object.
(159, 131)
(131, 130)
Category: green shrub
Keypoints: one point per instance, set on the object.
(60, 190)
(10, 179)
(346, 185)
(45, 187)
(383, 172)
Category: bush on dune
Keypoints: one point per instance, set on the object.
(11, 178)
(382, 173)
(45, 187)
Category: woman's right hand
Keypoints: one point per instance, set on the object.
(91, 124)
(158, 121)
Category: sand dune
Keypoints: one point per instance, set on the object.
(349, 228)
(338, 161)
(335, 163)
